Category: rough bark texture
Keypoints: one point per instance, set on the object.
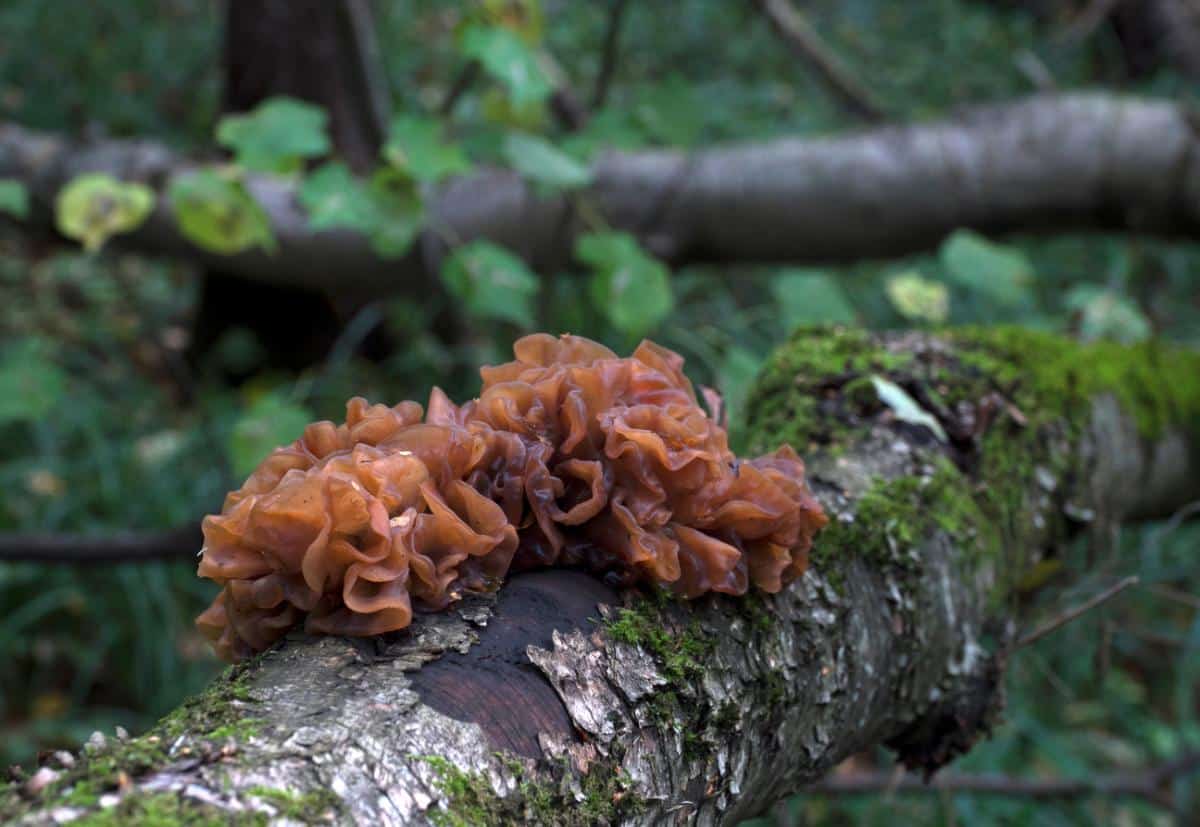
(1093, 162)
(558, 700)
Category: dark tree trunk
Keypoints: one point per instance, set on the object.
(320, 51)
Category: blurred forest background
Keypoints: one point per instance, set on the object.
(134, 390)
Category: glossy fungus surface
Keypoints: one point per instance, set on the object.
(570, 456)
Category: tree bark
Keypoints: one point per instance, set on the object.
(559, 700)
(1041, 165)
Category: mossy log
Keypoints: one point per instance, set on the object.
(558, 700)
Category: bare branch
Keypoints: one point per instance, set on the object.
(1085, 24)
(1075, 612)
(182, 542)
(462, 82)
(612, 48)
(1147, 785)
(790, 24)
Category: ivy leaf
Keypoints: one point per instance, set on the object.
(546, 165)
(216, 213)
(995, 271)
(14, 198)
(416, 146)
(276, 136)
(631, 288)
(905, 407)
(917, 298)
(810, 297)
(333, 197)
(508, 59)
(398, 213)
(491, 282)
(31, 385)
(94, 207)
(271, 421)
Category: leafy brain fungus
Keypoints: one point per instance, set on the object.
(570, 456)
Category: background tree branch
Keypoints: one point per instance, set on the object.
(1041, 165)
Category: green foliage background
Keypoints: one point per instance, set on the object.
(102, 428)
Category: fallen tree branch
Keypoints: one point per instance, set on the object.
(1041, 165)
(1147, 785)
(558, 700)
(790, 24)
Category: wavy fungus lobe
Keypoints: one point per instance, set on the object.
(570, 456)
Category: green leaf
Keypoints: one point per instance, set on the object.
(276, 136)
(398, 211)
(917, 298)
(416, 146)
(540, 161)
(905, 407)
(333, 197)
(631, 288)
(1106, 314)
(994, 271)
(608, 129)
(94, 207)
(810, 297)
(491, 282)
(387, 208)
(271, 421)
(31, 385)
(14, 198)
(218, 214)
(508, 59)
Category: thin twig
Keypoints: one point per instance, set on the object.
(806, 44)
(464, 81)
(1088, 21)
(369, 62)
(612, 49)
(1175, 595)
(181, 542)
(1071, 614)
(1147, 785)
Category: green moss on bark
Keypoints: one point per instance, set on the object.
(167, 810)
(1035, 390)
(604, 796)
(792, 401)
(211, 719)
(1156, 384)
